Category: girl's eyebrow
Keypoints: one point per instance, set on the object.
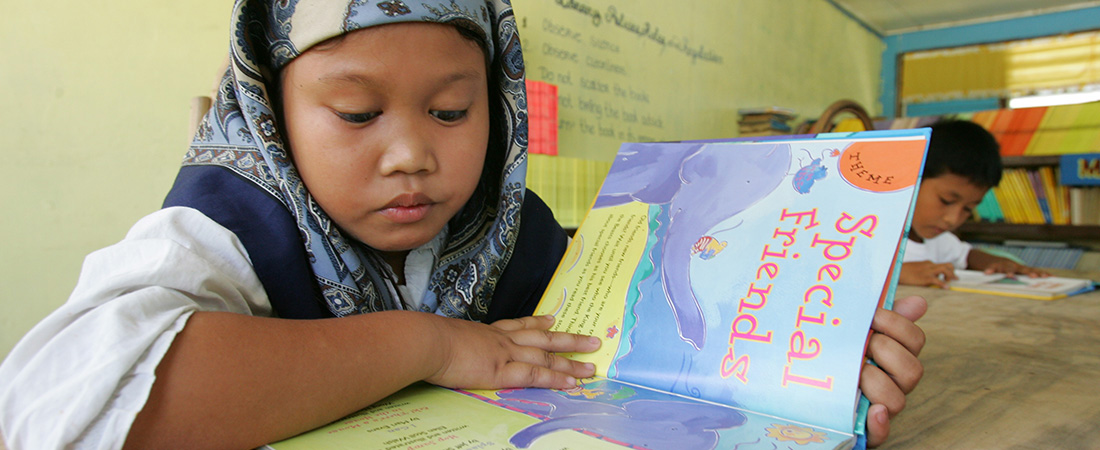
(356, 77)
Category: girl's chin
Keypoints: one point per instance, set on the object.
(400, 243)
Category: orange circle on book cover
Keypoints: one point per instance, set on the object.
(882, 166)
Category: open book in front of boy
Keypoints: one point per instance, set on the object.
(1023, 286)
(733, 284)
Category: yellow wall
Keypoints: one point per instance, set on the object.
(93, 124)
(657, 70)
(95, 102)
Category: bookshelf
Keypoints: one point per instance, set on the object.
(991, 231)
(986, 231)
(1032, 142)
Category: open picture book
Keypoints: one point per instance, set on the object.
(733, 284)
(1039, 288)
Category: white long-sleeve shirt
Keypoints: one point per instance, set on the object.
(79, 378)
(944, 248)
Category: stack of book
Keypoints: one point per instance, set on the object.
(770, 121)
(1041, 195)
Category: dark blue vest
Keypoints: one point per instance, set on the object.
(270, 235)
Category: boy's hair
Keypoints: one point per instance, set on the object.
(965, 149)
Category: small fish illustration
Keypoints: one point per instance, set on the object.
(612, 331)
(707, 247)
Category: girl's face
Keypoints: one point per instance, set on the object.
(388, 128)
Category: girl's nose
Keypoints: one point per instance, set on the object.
(409, 150)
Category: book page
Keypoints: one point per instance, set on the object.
(760, 268)
(600, 414)
(1019, 283)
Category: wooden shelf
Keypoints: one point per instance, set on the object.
(1031, 161)
(1045, 232)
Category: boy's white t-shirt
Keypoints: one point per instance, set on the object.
(944, 248)
(81, 375)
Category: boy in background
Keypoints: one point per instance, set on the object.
(962, 164)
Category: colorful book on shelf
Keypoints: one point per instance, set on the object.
(733, 284)
(1027, 195)
(1038, 288)
(1040, 192)
(1084, 205)
(1006, 204)
(989, 210)
(1053, 195)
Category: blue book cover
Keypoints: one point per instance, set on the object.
(1082, 169)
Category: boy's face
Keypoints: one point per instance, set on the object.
(388, 128)
(943, 203)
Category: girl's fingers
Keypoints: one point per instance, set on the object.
(912, 307)
(901, 366)
(555, 341)
(533, 367)
(899, 328)
(880, 389)
(525, 323)
(533, 331)
(878, 425)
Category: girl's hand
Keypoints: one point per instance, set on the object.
(894, 345)
(509, 353)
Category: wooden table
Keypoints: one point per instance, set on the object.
(1005, 373)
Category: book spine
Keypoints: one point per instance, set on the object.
(1028, 197)
(1040, 192)
(1046, 175)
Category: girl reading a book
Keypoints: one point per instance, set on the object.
(363, 166)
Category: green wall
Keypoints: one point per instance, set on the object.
(94, 117)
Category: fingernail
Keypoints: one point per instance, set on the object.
(571, 381)
(593, 340)
(881, 417)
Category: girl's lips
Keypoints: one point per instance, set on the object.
(407, 208)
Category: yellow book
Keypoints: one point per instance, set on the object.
(1027, 196)
(1015, 196)
(1046, 173)
(1008, 208)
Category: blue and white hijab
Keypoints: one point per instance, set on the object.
(241, 133)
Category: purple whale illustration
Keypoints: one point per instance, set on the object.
(645, 423)
(694, 183)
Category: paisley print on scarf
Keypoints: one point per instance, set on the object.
(241, 133)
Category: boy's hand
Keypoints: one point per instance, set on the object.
(926, 273)
(1010, 268)
(509, 353)
(894, 345)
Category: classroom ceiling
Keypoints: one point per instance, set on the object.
(888, 17)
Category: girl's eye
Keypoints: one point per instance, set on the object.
(448, 116)
(358, 117)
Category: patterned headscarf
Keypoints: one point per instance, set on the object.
(240, 133)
